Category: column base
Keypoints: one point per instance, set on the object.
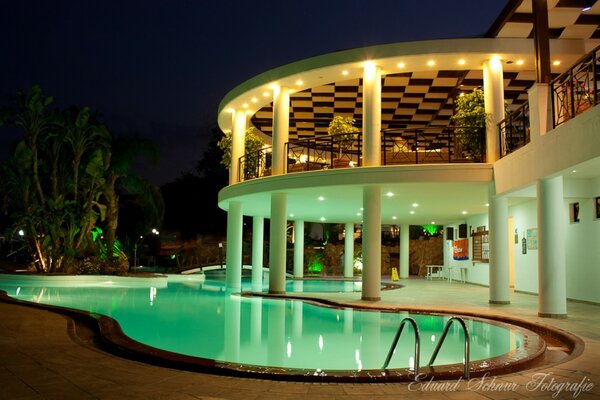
(499, 301)
(549, 315)
(370, 298)
(276, 292)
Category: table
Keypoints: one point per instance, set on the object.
(463, 273)
(437, 268)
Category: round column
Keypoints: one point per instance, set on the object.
(298, 249)
(493, 90)
(238, 137)
(277, 248)
(371, 139)
(498, 242)
(233, 255)
(404, 250)
(552, 296)
(371, 278)
(349, 250)
(258, 224)
(281, 127)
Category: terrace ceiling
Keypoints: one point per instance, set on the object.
(409, 99)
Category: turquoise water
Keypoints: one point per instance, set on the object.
(203, 320)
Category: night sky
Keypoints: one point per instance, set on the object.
(160, 68)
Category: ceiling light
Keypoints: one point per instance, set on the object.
(412, 211)
(520, 62)
(573, 171)
(394, 217)
(461, 94)
(401, 65)
(431, 63)
(291, 215)
(230, 110)
(586, 8)
(389, 194)
(344, 72)
(415, 204)
(487, 204)
(362, 209)
(254, 100)
(464, 213)
(322, 219)
(556, 63)
(358, 214)
(432, 222)
(461, 61)
(245, 105)
(299, 82)
(320, 198)
(266, 94)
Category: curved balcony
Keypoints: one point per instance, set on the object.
(426, 145)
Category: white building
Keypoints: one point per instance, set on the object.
(539, 179)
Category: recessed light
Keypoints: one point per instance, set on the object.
(415, 204)
(487, 204)
(362, 209)
(254, 100)
(266, 94)
(431, 63)
(412, 211)
(401, 65)
(299, 82)
(520, 62)
(573, 171)
(462, 94)
(230, 110)
(556, 62)
(432, 222)
(320, 198)
(291, 215)
(344, 72)
(322, 219)
(464, 212)
(389, 194)
(245, 105)
(394, 217)
(461, 61)
(358, 214)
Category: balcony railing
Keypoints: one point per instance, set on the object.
(514, 130)
(576, 90)
(336, 151)
(255, 164)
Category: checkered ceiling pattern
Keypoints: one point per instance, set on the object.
(567, 19)
(411, 99)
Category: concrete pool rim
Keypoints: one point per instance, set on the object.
(108, 336)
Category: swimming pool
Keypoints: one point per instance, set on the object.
(201, 319)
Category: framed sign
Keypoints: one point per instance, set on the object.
(532, 243)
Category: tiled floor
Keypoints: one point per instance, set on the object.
(41, 359)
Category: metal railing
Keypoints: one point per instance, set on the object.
(467, 355)
(336, 151)
(576, 90)
(255, 164)
(514, 130)
(395, 343)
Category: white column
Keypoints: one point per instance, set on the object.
(404, 250)
(371, 115)
(238, 137)
(371, 277)
(498, 242)
(277, 248)
(551, 216)
(540, 110)
(233, 255)
(493, 90)
(281, 128)
(349, 250)
(258, 224)
(298, 249)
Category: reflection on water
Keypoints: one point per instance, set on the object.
(205, 320)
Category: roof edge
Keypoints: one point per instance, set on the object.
(504, 16)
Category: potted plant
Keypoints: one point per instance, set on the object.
(254, 158)
(344, 134)
(470, 118)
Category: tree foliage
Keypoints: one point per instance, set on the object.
(471, 116)
(60, 183)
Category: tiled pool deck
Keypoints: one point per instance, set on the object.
(41, 358)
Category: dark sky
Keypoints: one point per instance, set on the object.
(160, 68)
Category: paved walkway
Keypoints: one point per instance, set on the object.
(42, 358)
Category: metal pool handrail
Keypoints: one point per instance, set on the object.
(395, 342)
(467, 343)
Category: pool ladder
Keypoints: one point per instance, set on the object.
(437, 348)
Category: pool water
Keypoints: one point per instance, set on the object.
(204, 320)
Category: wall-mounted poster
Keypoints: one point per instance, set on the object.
(532, 239)
(461, 249)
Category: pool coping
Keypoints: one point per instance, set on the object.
(110, 337)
